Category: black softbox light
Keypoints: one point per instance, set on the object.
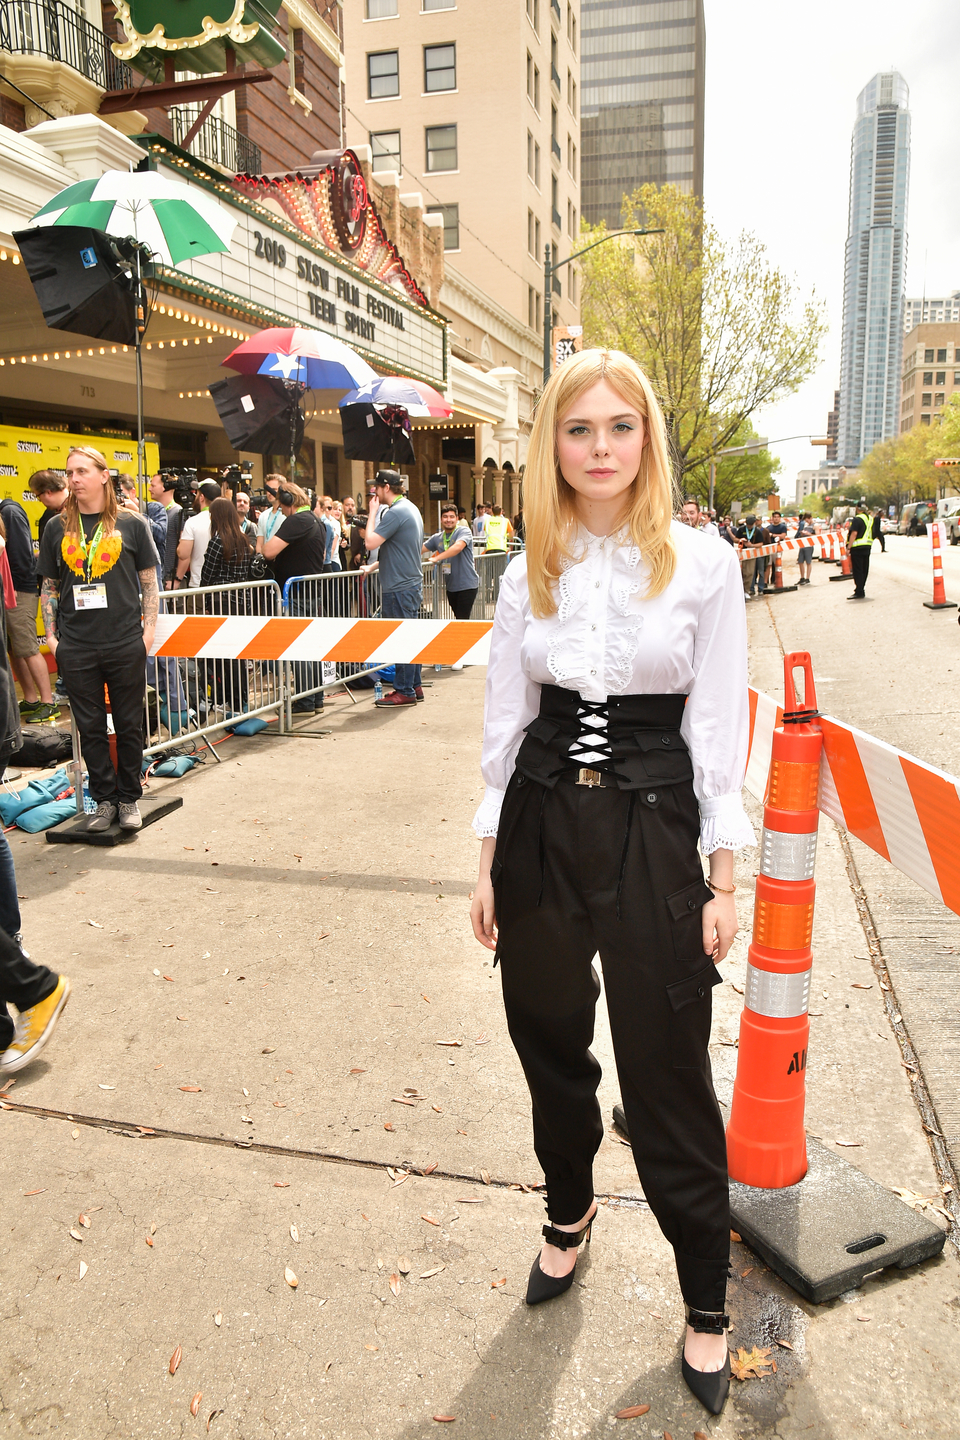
(259, 414)
(367, 436)
(79, 282)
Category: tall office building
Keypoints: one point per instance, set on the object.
(642, 93)
(922, 311)
(874, 268)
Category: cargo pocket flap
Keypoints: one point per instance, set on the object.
(691, 898)
(664, 740)
(685, 992)
(542, 729)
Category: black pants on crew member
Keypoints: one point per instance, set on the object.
(84, 671)
(461, 603)
(580, 870)
(860, 565)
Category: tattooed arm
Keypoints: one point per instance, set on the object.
(150, 593)
(49, 605)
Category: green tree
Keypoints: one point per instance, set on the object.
(746, 478)
(719, 331)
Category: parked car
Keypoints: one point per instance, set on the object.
(949, 512)
(914, 518)
(888, 525)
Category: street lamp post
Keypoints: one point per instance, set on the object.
(550, 268)
(753, 447)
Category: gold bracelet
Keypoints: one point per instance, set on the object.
(720, 890)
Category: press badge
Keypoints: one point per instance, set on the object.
(90, 597)
(446, 568)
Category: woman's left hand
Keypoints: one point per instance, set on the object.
(719, 917)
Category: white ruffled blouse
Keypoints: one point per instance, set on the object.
(608, 639)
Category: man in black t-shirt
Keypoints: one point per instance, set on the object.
(96, 563)
(298, 547)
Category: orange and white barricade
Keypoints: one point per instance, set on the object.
(381, 642)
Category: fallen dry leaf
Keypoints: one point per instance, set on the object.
(83, 1270)
(750, 1364)
(403, 1265)
(850, 1144)
(655, 1314)
(175, 1359)
(270, 1049)
(153, 1229)
(145, 1130)
(387, 1125)
(699, 1435)
(357, 1071)
(495, 1284)
(444, 1419)
(784, 1344)
(75, 1236)
(735, 1237)
(749, 1271)
(84, 1220)
(632, 1411)
(41, 1191)
(371, 1347)
(857, 986)
(485, 1176)
(395, 1284)
(290, 1278)
(106, 1087)
(429, 1169)
(738, 988)
(148, 1240)
(211, 1417)
(399, 1100)
(96, 924)
(450, 1042)
(430, 1219)
(295, 1234)
(429, 1274)
(281, 1184)
(864, 1319)
(191, 1089)
(437, 1108)
(75, 1134)
(195, 1403)
(469, 1200)
(218, 1319)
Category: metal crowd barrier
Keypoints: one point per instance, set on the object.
(345, 594)
(187, 699)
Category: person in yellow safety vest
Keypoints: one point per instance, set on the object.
(859, 544)
(498, 531)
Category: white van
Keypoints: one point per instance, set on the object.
(949, 512)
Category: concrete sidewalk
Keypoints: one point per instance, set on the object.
(309, 904)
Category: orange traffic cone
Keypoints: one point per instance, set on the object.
(940, 601)
(766, 1141)
(846, 569)
(778, 586)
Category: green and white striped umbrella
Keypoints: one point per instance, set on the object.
(172, 220)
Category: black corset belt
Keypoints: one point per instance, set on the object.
(640, 743)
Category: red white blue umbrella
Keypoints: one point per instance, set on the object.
(307, 356)
(417, 398)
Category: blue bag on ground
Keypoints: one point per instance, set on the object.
(40, 790)
(42, 817)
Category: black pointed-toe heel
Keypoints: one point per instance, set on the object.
(542, 1286)
(711, 1387)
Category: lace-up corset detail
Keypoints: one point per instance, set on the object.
(592, 747)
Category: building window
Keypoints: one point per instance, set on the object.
(572, 163)
(385, 145)
(928, 357)
(438, 4)
(531, 310)
(553, 130)
(928, 377)
(451, 224)
(571, 284)
(555, 200)
(941, 378)
(536, 164)
(439, 68)
(956, 377)
(383, 74)
(380, 9)
(573, 103)
(441, 148)
(924, 419)
(926, 399)
(941, 357)
(530, 243)
(938, 398)
(536, 89)
(533, 14)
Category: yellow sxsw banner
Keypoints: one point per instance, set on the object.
(24, 451)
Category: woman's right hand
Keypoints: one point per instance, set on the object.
(482, 912)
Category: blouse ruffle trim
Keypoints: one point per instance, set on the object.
(724, 825)
(487, 819)
(567, 647)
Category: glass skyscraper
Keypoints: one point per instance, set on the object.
(874, 268)
(642, 98)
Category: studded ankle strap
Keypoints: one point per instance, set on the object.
(706, 1322)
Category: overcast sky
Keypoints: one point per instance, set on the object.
(782, 85)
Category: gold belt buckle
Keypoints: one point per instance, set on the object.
(589, 777)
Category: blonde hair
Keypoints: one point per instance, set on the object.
(549, 501)
(300, 496)
(71, 508)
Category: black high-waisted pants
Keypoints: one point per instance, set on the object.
(566, 858)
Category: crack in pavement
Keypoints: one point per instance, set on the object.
(133, 1130)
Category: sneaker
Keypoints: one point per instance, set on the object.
(130, 817)
(28, 708)
(45, 712)
(393, 699)
(457, 665)
(34, 1028)
(102, 818)
(303, 707)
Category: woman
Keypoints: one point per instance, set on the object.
(227, 562)
(616, 702)
(805, 553)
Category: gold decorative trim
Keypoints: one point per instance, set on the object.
(233, 29)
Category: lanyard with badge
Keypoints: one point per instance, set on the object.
(92, 594)
(446, 567)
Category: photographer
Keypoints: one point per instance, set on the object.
(96, 562)
(163, 491)
(298, 547)
(195, 536)
(395, 531)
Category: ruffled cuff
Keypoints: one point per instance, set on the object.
(487, 819)
(724, 824)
